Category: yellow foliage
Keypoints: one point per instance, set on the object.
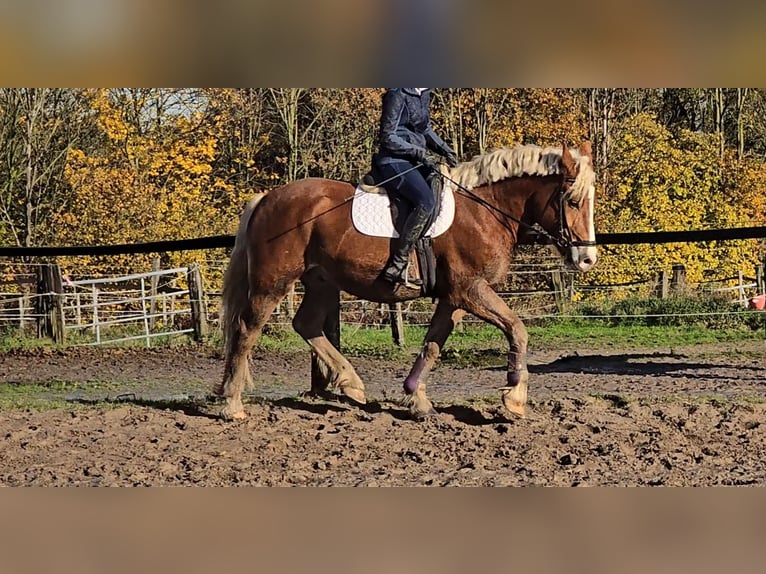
(188, 175)
(541, 116)
(142, 187)
(658, 182)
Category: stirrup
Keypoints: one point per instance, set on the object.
(414, 284)
(403, 279)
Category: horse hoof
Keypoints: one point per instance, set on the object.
(421, 416)
(228, 417)
(356, 395)
(516, 409)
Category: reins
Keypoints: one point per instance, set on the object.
(385, 181)
(560, 241)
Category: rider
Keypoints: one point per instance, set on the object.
(405, 134)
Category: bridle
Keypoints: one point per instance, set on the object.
(564, 240)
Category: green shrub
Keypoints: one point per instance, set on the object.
(711, 313)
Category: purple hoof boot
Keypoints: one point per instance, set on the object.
(514, 378)
(411, 385)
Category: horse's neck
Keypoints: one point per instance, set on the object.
(493, 209)
(510, 201)
(509, 195)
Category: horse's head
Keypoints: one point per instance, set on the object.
(551, 187)
(569, 213)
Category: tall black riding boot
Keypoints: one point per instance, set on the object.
(414, 226)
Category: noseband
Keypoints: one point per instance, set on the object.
(565, 236)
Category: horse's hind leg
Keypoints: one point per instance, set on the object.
(482, 301)
(242, 335)
(443, 322)
(309, 321)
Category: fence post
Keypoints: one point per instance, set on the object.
(154, 285)
(50, 306)
(678, 283)
(41, 302)
(96, 319)
(741, 291)
(397, 323)
(331, 330)
(77, 311)
(24, 305)
(759, 280)
(663, 284)
(59, 333)
(197, 300)
(559, 290)
(144, 310)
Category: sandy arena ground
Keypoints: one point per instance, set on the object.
(690, 416)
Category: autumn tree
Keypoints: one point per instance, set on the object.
(480, 120)
(662, 182)
(450, 109)
(247, 157)
(152, 179)
(38, 128)
(346, 133)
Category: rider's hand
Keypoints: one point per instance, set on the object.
(429, 165)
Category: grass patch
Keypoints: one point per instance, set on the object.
(566, 336)
(14, 341)
(479, 345)
(678, 311)
(83, 337)
(474, 344)
(369, 342)
(35, 397)
(718, 401)
(46, 395)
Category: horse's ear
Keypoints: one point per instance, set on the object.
(586, 149)
(567, 161)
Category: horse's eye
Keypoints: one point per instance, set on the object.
(573, 204)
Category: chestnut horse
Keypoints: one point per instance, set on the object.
(303, 231)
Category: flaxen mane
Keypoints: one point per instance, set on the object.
(524, 160)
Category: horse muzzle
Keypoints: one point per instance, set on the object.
(583, 257)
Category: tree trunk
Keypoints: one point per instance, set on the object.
(31, 120)
(741, 96)
(286, 101)
(718, 106)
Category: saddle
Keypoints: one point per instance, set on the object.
(422, 260)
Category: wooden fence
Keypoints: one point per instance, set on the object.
(165, 303)
(145, 306)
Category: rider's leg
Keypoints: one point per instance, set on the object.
(413, 187)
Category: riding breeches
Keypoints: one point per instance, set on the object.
(412, 186)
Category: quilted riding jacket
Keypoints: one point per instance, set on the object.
(405, 127)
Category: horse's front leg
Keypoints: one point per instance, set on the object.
(482, 301)
(443, 322)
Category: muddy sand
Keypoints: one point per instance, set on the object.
(690, 416)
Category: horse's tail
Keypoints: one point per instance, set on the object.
(236, 287)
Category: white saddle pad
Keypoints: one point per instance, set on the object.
(371, 214)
